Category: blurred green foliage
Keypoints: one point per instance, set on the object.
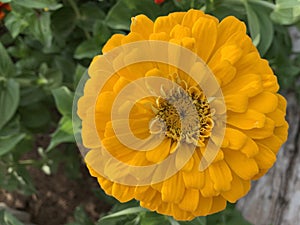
(47, 45)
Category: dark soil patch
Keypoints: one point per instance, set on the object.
(57, 197)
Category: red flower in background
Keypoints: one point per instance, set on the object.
(159, 1)
(4, 7)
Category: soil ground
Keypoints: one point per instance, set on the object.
(57, 197)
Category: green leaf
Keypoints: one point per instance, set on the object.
(11, 128)
(125, 212)
(66, 65)
(30, 95)
(35, 116)
(266, 28)
(41, 30)
(90, 13)
(286, 12)
(284, 4)
(88, 48)
(253, 22)
(151, 218)
(8, 219)
(9, 100)
(119, 15)
(18, 19)
(8, 143)
(23, 178)
(64, 100)
(6, 65)
(81, 217)
(63, 133)
(63, 22)
(40, 4)
(49, 78)
(196, 221)
(102, 32)
(79, 72)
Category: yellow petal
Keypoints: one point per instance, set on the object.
(145, 193)
(190, 200)
(141, 24)
(113, 42)
(154, 204)
(239, 188)
(188, 43)
(164, 24)
(250, 148)
(173, 189)
(264, 102)
(235, 138)
(220, 175)
(273, 142)
(242, 41)
(249, 85)
(278, 117)
(261, 133)
(160, 153)
(248, 120)
(84, 104)
(106, 185)
(231, 53)
(265, 157)
(270, 82)
(90, 137)
(123, 193)
(223, 70)
(194, 178)
(179, 32)
(93, 172)
(105, 101)
(227, 27)
(282, 131)
(281, 103)
(131, 37)
(219, 156)
(204, 206)
(177, 16)
(160, 36)
(93, 158)
(219, 203)
(165, 208)
(184, 157)
(249, 63)
(236, 103)
(191, 17)
(208, 189)
(180, 214)
(243, 166)
(260, 174)
(205, 33)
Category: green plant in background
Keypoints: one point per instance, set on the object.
(45, 48)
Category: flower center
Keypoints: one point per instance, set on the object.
(183, 115)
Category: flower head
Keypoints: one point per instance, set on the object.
(181, 114)
(4, 7)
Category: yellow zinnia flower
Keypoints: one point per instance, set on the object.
(181, 114)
